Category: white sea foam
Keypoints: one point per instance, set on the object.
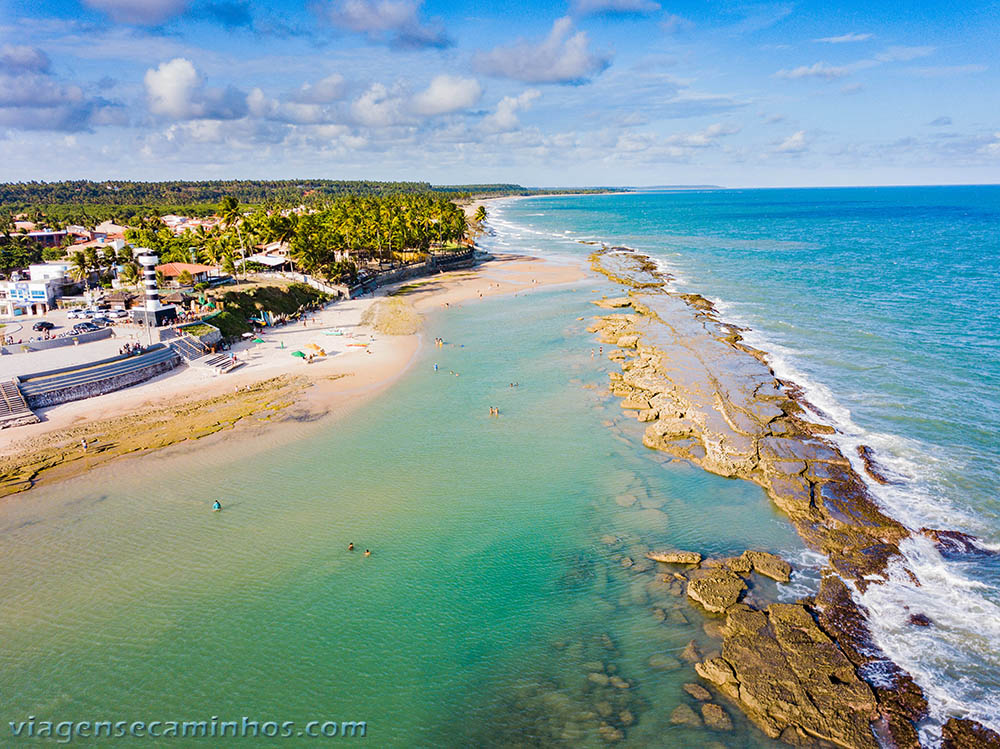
(948, 660)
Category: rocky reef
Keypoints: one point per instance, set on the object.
(807, 673)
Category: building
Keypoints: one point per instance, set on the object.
(19, 297)
(199, 273)
(54, 271)
(48, 237)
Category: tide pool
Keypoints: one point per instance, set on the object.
(494, 590)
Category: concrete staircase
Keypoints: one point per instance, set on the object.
(14, 410)
(221, 363)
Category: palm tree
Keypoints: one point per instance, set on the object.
(81, 268)
(229, 212)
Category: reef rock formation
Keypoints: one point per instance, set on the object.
(791, 679)
(675, 557)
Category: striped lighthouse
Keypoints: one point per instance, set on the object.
(148, 262)
(153, 313)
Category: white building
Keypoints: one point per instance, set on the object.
(36, 294)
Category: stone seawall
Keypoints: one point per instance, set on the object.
(101, 387)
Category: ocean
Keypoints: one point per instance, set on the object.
(507, 602)
(884, 304)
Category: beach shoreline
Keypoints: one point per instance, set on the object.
(190, 405)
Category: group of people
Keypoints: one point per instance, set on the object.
(350, 547)
(439, 342)
(494, 411)
(129, 349)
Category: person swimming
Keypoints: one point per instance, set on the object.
(350, 546)
(216, 506)
(368, 552)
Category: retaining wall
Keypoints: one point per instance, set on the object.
(43, 345)
(101, 387)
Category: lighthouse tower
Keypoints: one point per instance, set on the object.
(153, 312)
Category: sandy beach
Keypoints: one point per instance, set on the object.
(361, 360)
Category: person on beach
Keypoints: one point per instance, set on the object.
(350, 546)
(216, 506)
(84, 443)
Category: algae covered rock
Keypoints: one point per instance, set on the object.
(791, 679)
(717, 591)
(715, 717)
(968, 734)
(770, 565)
(698, 692)
(683, 715)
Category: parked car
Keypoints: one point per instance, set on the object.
(84, 327)
(75, 314)
(116, 314)
(101, 322)
(42, 325)
(90, 312)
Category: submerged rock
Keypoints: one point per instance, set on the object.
(698, 692)
(661, 662)
(715, 717)
(683, 715)
(675, 557)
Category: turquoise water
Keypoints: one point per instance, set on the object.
(885, 304)
(495, 587)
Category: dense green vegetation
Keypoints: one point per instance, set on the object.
(239, 306)
(329, 241)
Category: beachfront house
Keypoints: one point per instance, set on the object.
(172, 272)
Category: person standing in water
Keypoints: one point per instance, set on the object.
(350, 546)
(216, 506)
(368, 552)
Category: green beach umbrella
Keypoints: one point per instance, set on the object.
(299, 354)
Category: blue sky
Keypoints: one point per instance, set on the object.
(576, 92)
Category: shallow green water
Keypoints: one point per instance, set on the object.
(488, 598)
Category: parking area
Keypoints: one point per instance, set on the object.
(22, 329)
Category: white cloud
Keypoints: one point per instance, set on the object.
(702, 138)
(943, 121)
(322, 91)
(992, 149)
(395, 21)
(140, 12)
(447, 93)
(846, 38)
(944, 71)
(794, 143)
(378, 107)
(504, 119)
(595, 7)
(562, 57)
(672, 23)
(171, 88)
(816, 70)
(831, 72)
(17, 59)
(176, 90)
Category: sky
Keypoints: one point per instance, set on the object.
(568, 93)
